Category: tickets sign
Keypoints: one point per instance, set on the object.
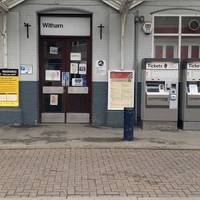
(9, 88)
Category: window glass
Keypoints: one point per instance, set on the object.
(169, 51)
(166, 24)
(158, 51)
(167, 46)
(191, 25)
(184, 52)
(190, 47)
(195, 52)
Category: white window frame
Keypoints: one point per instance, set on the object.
(178, 35)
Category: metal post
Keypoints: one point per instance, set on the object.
(128, 124)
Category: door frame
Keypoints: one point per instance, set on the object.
(90, 56)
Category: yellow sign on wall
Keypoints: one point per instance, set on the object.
(9, 88)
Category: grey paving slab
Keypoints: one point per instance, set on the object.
(168, 198)
(105, 173)
(102, 198)
(86, 136)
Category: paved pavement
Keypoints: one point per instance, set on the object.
(85, 136)
(94, 163)
(99, 172)
(99, 198)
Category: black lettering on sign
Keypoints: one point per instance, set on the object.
(52, 25)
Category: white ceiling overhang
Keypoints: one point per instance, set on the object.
(116, 4)
(119, 4)
(8, 4)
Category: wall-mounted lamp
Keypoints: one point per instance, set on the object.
(101, 30)
(27, 25)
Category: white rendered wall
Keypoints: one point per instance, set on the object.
(150, 8)
(28, 48)
(1, 41)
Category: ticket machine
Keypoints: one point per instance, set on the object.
(159, 100)
(189, 114)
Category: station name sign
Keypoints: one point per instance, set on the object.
(52, 25)
(193, 65)
(162, 65)
(65, 26)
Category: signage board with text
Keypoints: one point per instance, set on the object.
(120, 89)
(9, 88)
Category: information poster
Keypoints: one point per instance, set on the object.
(121, 90)
(53, 50)
(75, 56)
(101, 67)
(9, 88)
(52, 75)
(54, 100)
(74, 68)
(26, 69)
(83, 68)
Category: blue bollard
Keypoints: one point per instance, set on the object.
(128, 124)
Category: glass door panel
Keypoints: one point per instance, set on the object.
(52, 67)
(78, 96)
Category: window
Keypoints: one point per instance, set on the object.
(176, 37)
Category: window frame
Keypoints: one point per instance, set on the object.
(179, 35)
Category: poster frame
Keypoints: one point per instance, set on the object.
(109, 107)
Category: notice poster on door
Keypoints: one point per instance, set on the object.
(77, 82)
(75, 56)
(83, 68)
(54, 100)
(9, 87)
(53, 50)
(74, 68)
(52, 75)
(120, 90)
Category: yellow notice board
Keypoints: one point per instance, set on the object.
(9, 88)
(120, 89)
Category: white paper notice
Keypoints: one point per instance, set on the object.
(3, 97)
(11, 97)
(74, 68)
(193, 89)
(77, 82)
(53, 50)
(26, 69)
(101, 67)
(53, 100)
(75, 56)
(52, 75)
(83, 68)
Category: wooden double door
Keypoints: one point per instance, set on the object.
(65, 80)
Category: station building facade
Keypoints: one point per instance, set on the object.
(65, 48)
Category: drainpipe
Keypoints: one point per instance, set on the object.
(3, 33)
(124, 16)
(136, 67)
(5, 47)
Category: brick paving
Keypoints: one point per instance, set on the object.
(99, 172)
